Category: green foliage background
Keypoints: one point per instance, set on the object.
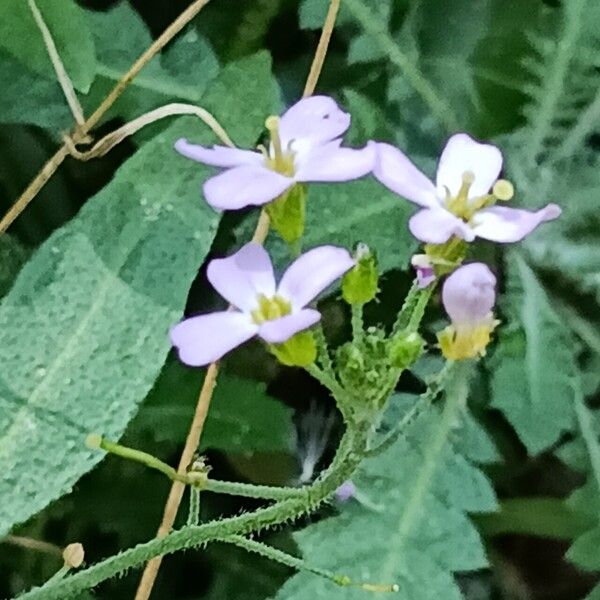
(502, 502)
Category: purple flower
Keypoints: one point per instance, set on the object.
(305, 147)
(274, 313)
(462, 202)
(468, 296)
(424, 269)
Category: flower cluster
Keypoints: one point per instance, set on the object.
(305, 145)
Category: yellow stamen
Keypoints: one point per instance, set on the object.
(270, 309)
(272, 124)
(466, 342)
(503, 190)
(459, 205)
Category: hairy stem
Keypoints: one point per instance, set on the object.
(350, 453)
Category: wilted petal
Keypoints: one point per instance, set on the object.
(206, 338)
(461, 154)
(400, 175)
(281, 330)
(317, 119)
(436, 226)
(332, 163)
(239, 278)
(218, 156)
(504, 224)
(469, 294)
(345, 491)
(312, 272)
(244, 186)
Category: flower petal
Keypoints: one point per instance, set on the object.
(317, 119)
(281, 330)
(312, 272)
(245, 186)
(469, 294)
(241, 277)
(332, 163)
(400, 175)
(504, 224)
(436, 226)
(204, 339)
(218, 156)
(461, 154)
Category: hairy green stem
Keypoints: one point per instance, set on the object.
(407, 307)
(298, 564)
(356, 319)
(351, 451)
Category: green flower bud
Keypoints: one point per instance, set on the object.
(405, 349)
(288, 213)
(299, 351)
(359, 285)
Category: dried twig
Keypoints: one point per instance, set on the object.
(82, 130)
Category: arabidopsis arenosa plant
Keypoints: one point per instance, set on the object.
(305, 147)
(462, 202)
(468, 296)
(273, 312)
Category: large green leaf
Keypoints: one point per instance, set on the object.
(413, 529)
(534, 364)
(83, 332)
(20, 35)
(12, 256)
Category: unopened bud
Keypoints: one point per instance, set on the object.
(359, 285)
(405, 349)
(73, 555)
(299, 351)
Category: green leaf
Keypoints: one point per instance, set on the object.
(20, 35)
(30, 99)
(534, 363)
(584, 552)
(84, 330)
(408, 523)
(242, 417)
(182, 71)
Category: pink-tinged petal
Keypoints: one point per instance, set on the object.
(461, 154)
(281, 330)
(345, 492)
(469, 294)
(332, 163)
(239, 278)
(204, 339)
(436, 226)
(424, 270)
(312, 272)
(400, 175)
(504, 224)
(218, 156)
(317, 119)
(245, 186)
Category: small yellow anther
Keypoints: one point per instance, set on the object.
(468, 177)
(503, 190)
(73, 555)
(93, 441)
(272, 123)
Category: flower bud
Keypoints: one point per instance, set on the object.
(359, 285)
(405, 349)
(73, 555)
(299, 351)
(468, 296)
(288, 213)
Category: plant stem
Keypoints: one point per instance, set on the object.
(358, 326)
(350, 453)
(298, 564)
